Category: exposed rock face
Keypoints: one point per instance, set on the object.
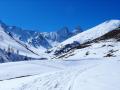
(40, 39)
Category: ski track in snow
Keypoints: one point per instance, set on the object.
(78, 73)
(68, 75)
(63, 80)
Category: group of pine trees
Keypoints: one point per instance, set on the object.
(10, 50)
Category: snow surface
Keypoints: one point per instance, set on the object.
(94, 32)
(82, 74)
(96, 50)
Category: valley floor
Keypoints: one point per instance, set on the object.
(82, 74)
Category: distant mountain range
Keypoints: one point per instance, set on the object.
(29, 43)
(40, 39)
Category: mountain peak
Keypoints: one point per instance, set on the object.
(63, 30)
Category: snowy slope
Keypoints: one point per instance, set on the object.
(82, 74)
(85, 36)
(94, 32)
(102, 49)
(8, 42)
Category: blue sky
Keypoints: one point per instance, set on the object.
(51, 15)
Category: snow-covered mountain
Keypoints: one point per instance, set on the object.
(44, 40)
(8, 41)
(62, 43)
(11, 49)
(30, 43)
(87, 37)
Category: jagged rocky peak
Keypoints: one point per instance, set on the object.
(63, 30)
(39, 39)
(63, 34)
